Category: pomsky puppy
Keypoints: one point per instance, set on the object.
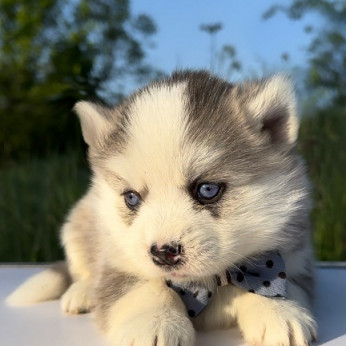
(193, 177)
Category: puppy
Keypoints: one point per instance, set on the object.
(196, 184)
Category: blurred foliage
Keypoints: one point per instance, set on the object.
(228, 62)
(327, 50)
(54, 52)
(35, 197)
(323, 140)
(223, 62)
(212, 30)
(323, 145)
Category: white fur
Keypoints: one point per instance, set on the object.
(278, 91)
(266, 321)
(148, 313)
(156, 136)
(262, 321)
(78, 297)
(47, 285)
(73, 239)
(94, 125)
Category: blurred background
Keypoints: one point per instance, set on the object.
(55, 52)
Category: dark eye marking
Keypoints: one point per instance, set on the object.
(132, 199)
(207, 192)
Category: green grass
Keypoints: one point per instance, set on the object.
(34, 199)
(36, 195)
(323, 144)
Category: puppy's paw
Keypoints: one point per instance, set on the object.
(78, 298)
(275, 322)
(155, 328)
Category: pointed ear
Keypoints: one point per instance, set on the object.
(273, 108)
(94, 122)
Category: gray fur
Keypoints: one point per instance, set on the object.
(61, 269)
(306, 283)
(110, 287)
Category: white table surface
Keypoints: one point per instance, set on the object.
(44, 324)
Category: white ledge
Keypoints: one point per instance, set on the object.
(44, 324)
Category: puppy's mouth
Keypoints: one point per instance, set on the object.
(169, 264)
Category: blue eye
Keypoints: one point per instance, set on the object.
(132, 199)
(207, 192)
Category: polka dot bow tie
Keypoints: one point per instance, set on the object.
(264, 275)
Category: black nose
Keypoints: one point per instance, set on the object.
(167, 254)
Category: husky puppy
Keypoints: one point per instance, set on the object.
(191, 176)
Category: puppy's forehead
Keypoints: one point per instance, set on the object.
(180, 129)
(168, 130)
(159, 118)
(156, 134)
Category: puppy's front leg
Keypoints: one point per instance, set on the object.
(148, 314)
(271, 321)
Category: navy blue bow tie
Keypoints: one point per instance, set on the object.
(264, 275)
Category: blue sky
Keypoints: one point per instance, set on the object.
(179, 43)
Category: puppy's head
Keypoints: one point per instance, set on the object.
(193, 174)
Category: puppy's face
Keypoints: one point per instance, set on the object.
(194, 174)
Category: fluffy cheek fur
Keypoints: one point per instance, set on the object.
(258, 214)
